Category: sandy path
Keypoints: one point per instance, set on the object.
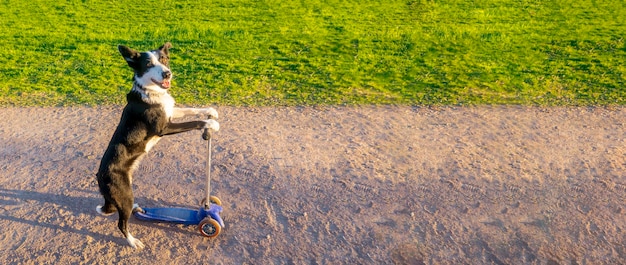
(369, 185)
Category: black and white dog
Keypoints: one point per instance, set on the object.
(145, 119)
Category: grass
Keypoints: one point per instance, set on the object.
(320, 52)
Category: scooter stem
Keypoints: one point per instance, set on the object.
(206, 135)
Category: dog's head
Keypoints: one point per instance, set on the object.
(151, 68)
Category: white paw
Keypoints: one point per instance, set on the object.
(211, 112)
(212, 124)
(136, 208)
(99, 210)
(135, 243)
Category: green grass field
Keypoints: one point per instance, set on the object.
(333, 52)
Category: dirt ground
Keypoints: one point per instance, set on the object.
(336, 185)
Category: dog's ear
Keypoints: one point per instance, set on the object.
(131, 56)
(165, 48)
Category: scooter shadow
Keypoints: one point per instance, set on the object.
(14, 199)
(11, 200)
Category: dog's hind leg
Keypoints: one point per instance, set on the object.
(125, 211)
(107, 209)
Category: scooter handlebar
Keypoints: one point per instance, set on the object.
(206, 134)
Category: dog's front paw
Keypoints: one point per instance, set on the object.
(212, 124)
(211, 112)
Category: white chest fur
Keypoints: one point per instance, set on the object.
(152, 142)
(162, 98)
(168, 105)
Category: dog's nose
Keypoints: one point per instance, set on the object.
(167, 74)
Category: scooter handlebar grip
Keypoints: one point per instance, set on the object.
(206, 134)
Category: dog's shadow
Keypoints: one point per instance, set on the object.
(15, 204)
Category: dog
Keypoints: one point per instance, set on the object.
(146, 118)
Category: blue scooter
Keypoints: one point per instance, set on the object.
(207, 217)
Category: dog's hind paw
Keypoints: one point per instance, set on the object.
(135, 243)
(212, 124)
(137, 209)
(99, 210)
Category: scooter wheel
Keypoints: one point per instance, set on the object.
(213, 200)
(209, 227)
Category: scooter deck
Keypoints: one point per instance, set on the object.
(180, 215)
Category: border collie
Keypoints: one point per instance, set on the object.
(145, 119)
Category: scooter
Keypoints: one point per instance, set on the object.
(207, 217)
